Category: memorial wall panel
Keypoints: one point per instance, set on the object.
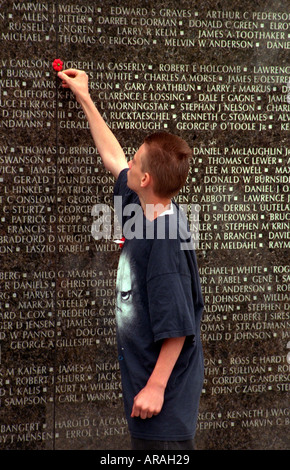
(217, 74)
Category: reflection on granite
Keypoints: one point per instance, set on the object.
(217, 76)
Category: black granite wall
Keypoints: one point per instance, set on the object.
(216, 73)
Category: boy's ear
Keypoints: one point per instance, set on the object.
(146, 180)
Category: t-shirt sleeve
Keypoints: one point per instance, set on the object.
(169, 289)
(121, 188)
(123, 196)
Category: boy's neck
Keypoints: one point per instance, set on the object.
(153, 205)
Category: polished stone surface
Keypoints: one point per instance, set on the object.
(218, 75)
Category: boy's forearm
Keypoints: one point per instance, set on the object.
(150, 399)
(108, 147)
(169, 353)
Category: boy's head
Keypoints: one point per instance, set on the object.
(166, 158)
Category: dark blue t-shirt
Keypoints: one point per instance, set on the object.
(158, 296)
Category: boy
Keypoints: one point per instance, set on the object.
(159, 302)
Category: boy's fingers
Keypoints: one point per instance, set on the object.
(72, 72)
(62, 76)
(66, 75)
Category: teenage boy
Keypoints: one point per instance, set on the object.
(159, 302)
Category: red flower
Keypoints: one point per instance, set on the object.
(57, 65)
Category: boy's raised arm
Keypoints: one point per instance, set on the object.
(108, 147)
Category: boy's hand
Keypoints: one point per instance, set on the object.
(76, 80)
(148, 402)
